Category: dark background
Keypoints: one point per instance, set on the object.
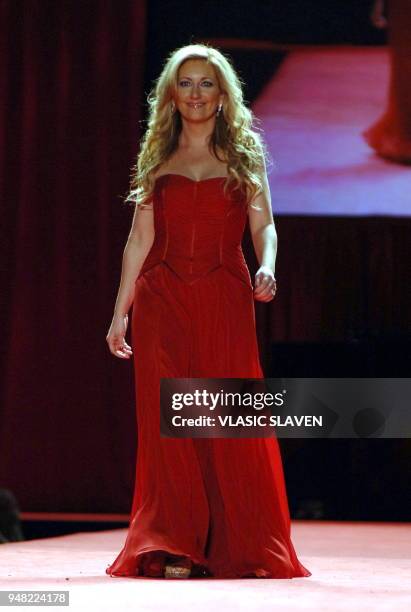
(304, 22)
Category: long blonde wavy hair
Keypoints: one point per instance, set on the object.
(235, 132)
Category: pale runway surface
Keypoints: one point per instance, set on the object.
(313, 112)
(355, 566)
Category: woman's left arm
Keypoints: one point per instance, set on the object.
(264, 237)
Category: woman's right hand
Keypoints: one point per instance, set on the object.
(116, 337)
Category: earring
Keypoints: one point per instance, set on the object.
(173, 106)
(220, 106)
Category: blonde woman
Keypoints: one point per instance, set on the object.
(202, 506)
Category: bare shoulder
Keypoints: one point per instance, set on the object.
(222, 154)
(160, 171)
(165, 167)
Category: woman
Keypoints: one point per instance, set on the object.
(390, 135)
(202, 506)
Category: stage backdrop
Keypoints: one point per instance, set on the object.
(71, 101)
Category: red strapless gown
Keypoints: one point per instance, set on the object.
(221, 502)
(390, 135)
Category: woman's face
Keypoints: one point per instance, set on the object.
(198, 93)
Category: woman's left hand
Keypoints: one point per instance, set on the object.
(265, 284)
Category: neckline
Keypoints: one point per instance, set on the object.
(188, 178)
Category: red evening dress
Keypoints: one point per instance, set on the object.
(390, 135)
(219, 501)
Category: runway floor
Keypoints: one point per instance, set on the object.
(355, 566)
(313, 112)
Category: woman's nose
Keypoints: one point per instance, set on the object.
(196, 92)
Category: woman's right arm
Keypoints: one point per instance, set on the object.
(138, 245)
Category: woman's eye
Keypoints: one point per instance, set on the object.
(188, 83)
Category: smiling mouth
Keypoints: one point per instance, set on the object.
(196, 104)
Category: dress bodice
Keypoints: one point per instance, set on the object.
(198, 228)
